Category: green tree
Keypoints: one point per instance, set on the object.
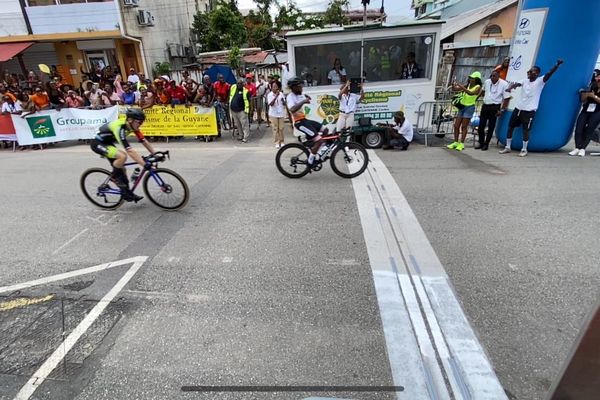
(335, 13)
(235, 58)
(221, 28)
(293, 18)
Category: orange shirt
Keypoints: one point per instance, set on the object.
(40, 100)
(501, 71)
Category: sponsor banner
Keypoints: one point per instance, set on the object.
(379, 105)
(179, 121)
(67, 124)
(525, 47)
(7, 129)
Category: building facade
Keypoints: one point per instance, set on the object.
(78, 35)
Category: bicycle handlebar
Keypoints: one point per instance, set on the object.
(157, 157)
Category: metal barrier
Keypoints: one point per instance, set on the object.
(437, 118)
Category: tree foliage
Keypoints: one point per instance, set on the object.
(221, 28)
(335, 13)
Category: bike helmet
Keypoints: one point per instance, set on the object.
(136, 114)
(293, 81)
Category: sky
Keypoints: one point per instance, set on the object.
(392, 7)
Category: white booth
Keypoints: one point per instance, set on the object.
(391, 84)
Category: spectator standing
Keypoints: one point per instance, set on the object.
(261, 89)
(128, 97)
(109, 98)
(524, 112)
(348, 104)
(176, 93)
(73, 100)
(251, 87)
(502, 69)
(495, 102)
(239, 104)
(146, 98)
(466, 109)
(588, 118)
(55, 95)
(190, 85)
(40, 99)
(221, 89)
(9, 106)
(337, 74)
(133, 77)
(276, 102)
(400, 134)
(410, 69)
(208, 87)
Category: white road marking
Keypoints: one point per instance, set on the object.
(227, 259)
(70, 241)
(42, 373)
(412, 286)
(71, 274)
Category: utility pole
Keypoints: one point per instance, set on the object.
(362, 43)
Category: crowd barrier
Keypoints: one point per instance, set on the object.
(75, 123)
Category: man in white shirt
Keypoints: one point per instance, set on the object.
(286, 74)
(133, 76)
(495, 101)
(400, 134)
(348, 104)
(313, 130)
(527, 105)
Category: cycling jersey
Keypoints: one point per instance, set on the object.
(116, 132)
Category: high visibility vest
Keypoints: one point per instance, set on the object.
(232, 92)
(385, 62)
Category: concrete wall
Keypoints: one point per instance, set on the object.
(64, 18)
(12, 22)
(505, 19)
(172, 23)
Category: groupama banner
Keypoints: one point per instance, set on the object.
(66, 124)
(73, 123)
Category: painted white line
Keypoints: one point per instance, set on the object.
(71, 274)
(42, 373)
(421, 275)
(70, 241)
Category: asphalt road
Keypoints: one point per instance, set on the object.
(263, 280)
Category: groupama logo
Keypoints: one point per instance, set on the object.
(41, 127)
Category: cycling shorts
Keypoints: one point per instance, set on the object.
(309, 127)
(106, 150)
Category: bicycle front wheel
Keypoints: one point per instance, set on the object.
(292, 160)
(166, 189)
(97, 187)
(349, 160)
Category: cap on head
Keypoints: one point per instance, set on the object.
(475, 75)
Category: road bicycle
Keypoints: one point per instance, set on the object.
(163, 187)
(348, 159)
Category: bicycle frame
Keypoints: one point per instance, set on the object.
(153, 174)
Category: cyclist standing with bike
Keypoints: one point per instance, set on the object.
(116, 132)
(312, 129)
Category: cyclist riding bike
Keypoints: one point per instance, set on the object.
(312, 129)
(113, 133)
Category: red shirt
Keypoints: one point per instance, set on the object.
(251, 88)
(177, 92)
(222, 90)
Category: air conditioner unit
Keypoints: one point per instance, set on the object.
(145, 18)
(175, 50)
(131, 3)
(188, 51)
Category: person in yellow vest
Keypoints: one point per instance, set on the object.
(239, 105)
(466, 108)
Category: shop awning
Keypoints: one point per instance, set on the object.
(9, 50)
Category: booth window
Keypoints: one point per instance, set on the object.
(407, 57)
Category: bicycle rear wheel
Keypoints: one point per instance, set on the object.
(166, 189)
(292, 160)
(97, 187)
(349, 160)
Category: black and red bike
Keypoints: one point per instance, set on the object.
(348, 159)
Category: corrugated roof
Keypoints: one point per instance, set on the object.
(462, 21)
(353, 28)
